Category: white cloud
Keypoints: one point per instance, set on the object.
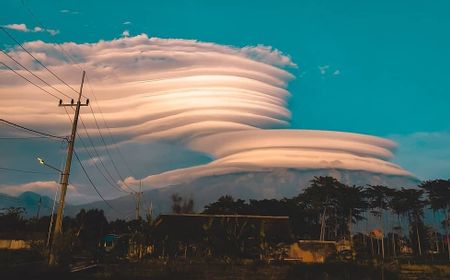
(126, 23)
(126, 33)
(47, 188)
(23, 28)
(260, 150)
(337, 72)
(65, 11)
(216, 99)
(323, 69)
(17, 26)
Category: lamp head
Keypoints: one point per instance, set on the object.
(41, 161)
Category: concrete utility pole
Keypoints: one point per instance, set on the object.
(138, 201)
(56, 243)
(39, 208)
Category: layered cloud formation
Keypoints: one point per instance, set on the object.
(157, 88)
(227, 102)
(261, 150)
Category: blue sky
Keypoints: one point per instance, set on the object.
(375, 67)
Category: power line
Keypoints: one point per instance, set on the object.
(95, 162)
(25, 171)
(107, 150)
(97, 154)
(92, 183)
(67, 55)
(22, 138)
(18, 63)
(23, 77)
(108, 129)
(37, 60)
(31, 130)
(96, 123)
(63, 52)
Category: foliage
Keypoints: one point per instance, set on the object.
(180, 205)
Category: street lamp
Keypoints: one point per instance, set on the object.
(41, 161)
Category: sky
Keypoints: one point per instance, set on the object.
(375, 68)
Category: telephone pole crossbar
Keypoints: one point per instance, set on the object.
(57, 232)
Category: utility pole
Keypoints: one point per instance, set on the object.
(138, 201)
(39, 208)
(56, 243)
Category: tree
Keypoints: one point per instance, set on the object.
(12, 218)
(90, 228)
(226, 205)
(351, 204)
(399, 207)
(321, 197)
(378, 198)
(438, 192)
(415, 204)
(180, 205)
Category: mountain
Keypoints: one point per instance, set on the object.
(29, 201)
(276, 183)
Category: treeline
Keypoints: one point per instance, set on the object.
(329, 209)
(326, 210)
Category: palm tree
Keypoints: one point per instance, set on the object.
(399, 206)
(412, 199)
(378, 199)
(438, 192)
(321, 197)
(352, 203)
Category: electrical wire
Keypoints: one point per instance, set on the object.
(18, 126)
(37, 60)
(39, 78)
(26, 171)
(92, 183)
(96, 122)
(107, 151)
(97, 155)
(23, 77)
(94, 161)
(31, 130)
(22, 138)
(109, 130)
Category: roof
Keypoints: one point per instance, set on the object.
(228, 216)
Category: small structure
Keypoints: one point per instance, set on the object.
(109, 242)
(312, 251)
(20, 240)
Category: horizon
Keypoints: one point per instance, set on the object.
(373, 70)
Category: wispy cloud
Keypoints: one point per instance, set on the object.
(65, 11)
(17, 26)
(126, 23)
(323, 69)
(22, 27)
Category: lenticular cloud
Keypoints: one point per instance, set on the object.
(220, 100)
